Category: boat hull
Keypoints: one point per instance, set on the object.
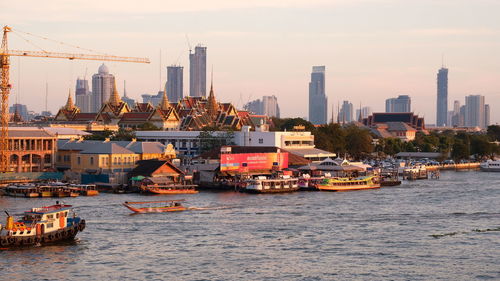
(390, 183)
(156, 209)
(490, 169)
(347, 187)
(271, 190)
(64, 234)
(173, 191)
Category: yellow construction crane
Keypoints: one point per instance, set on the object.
(5, 86)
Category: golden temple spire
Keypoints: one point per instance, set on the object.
(212, 106)
(69, 103)
(164, 104)
(114, 99)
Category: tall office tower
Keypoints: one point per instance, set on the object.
(442, 97)
(270, 106)
(21, 109)
(461, 117)
(455, 117)
(474, 111)
(486, 115)
(102, 87)
(83, 97)
(346, 112)
(400, 104)
(318, 101)
(254, 106)
(198, 72)
(364, 112)
(175, 86)
(154, 100)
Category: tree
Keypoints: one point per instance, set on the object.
(209, 139)
(99, 135)
(123, 135)
(330, 137)
(460, 150)
(148, 126)
(358, 141)
(494, 132)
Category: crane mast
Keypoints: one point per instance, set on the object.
(5, 86)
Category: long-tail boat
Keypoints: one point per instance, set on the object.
(168, 189)
(169, 206)
(41, 226)
(346, 184)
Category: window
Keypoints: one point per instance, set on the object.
(50, 225)
(261, 141)
(91, 160)
(78, 160)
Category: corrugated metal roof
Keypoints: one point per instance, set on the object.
(106, 148)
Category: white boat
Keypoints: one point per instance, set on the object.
(490, 166)
(262, 184)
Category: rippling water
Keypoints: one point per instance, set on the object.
(421, 230)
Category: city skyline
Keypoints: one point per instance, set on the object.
(408, 50)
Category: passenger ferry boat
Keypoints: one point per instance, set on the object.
(262, 184)
(84, 189)
(170, 206)
(309, 183)
(490, 166)
(28, 191)
(41, 226)
(346, 184)
(168, 189)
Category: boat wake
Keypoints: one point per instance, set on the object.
(210, 208)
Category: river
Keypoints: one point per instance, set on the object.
(446, 229)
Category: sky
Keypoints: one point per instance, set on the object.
(372, 49)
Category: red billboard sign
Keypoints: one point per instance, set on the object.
(246, 162)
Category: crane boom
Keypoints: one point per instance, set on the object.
(5, 86)
(69, 56)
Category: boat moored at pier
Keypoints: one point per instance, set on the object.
(490, 166)
(346, 184)
(41, 226)
(263, 184)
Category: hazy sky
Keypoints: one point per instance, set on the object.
(372, 49)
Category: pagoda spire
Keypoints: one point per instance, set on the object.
(164, 104)
(69, 103)
(212, 106)
(115, 99)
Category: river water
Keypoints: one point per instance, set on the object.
(446, 229)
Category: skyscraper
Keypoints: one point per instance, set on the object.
(400, 104)
(198, 72)
(455, 118)
(130, 102)
(102, 87)
(175, 86)
(474, 111)
(267, 106)
(442, 97)
(317, 98)
(486, 115)
(364, 112)
(346, 112)
(83, 97)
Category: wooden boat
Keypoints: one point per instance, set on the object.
(262, 184)
(309, 183)
(168, 189)
(41, 226)
(346, 184)
(85, 189)
(28, 191)
(170, 206)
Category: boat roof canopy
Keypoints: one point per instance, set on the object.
(49, 209)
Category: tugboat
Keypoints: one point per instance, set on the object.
(41, 226)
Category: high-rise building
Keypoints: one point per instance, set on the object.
(455, 116)
(346, 112)
(363, 113)
(486, 115)
(270, 106)
(83, 96)
(153, 99)
(318, 101)
(442, 97)
(175, 86)
(198, 72)
(267, 106)
(474, 111)
(21, 109)
(400, 104)
(102, 87)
